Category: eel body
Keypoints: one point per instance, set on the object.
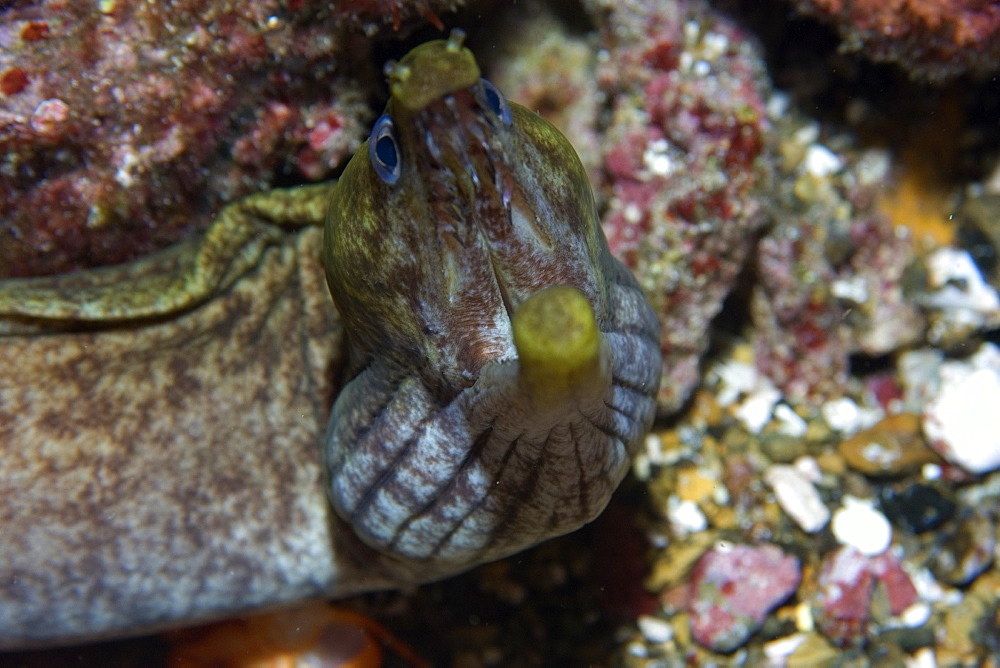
(204, 432)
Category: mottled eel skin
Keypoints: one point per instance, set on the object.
(162, 448)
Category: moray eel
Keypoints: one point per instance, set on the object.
(465, 235)
(169, 452)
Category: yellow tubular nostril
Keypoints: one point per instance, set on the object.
(559, 345)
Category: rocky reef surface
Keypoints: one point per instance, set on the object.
(936, 40)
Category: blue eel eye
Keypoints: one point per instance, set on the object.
(383, 151)
(496, 101)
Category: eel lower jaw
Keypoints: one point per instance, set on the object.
(534, 448)
(562, 356)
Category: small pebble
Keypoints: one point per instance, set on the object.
(961, 301)
(919, 373)
(964, 552)
(756, 410)
(813, 651)
(735, 378)
(916, 615)
(782, 648)
(685, 516)
(654, 629)
(734, 587)
(695, 484)
(790, 423)
(821, 161)
(797, 497)
(979, 233)
(916, 508)
(846, 584)
(959, 625)
(854, 289)
(961, 421)
(844, 415)
(857, 524)
(808, 468)
(960, 287)
(779, 447)
(893, 446)
(923, 658)
(931, 472)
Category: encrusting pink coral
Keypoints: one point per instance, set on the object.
(126, 126)
(936, 39)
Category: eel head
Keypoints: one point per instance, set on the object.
(501, 364)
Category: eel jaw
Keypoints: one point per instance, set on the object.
(534, 448)
(559, 348)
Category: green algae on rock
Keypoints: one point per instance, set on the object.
(161, 423)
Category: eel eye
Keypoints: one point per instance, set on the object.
(383, 151)
(495, 101)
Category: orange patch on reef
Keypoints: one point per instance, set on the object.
(313, 633)
(921, 205)
(13, 81)
(923, 197)
(34, 31)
